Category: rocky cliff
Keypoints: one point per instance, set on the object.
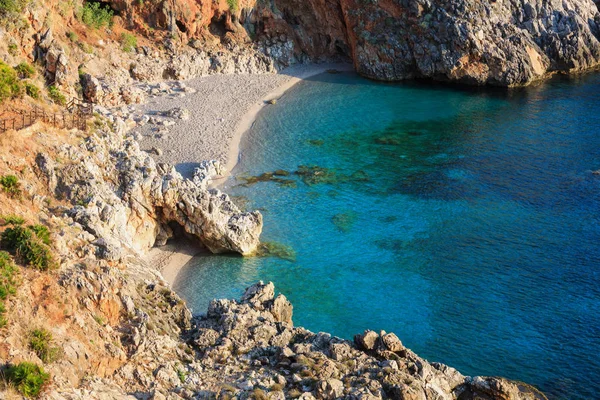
(503, 42)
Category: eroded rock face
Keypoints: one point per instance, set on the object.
(504, 42)
(262, 350)
(127, 201)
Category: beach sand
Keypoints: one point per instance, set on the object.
(221, 111)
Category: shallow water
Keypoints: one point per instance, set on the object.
(465, 221)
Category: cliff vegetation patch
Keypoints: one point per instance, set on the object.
(27, 378)
(8, 284)
(31, 245)
(10, 185)
(40, 341)
(95, 15)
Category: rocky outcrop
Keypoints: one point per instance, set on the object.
(250, 346)
(128, 202)
(502, 43)
(53, 57)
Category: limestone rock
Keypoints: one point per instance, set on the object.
(92, 90)
(391, 342)
(330, 389)
(368, 340)
(149, 197)
(282, 310)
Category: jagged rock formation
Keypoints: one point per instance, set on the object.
(127, 201)
(251, 345)
(502, 42)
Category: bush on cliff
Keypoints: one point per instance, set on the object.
(56, 96)
(8, 283)
(95, 15)
(233, 5)
(32, 90)
(28, 378)
(11, 186)
(10, 87)
(11, 219)
(28, 247)
(40, 341)
(24, 70)
(8, 7)
(128, 42)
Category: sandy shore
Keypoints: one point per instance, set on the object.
(223, 108)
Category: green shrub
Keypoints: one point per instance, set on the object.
(28, 247)
(10, 86)
(128, 42)
(11, 219)
(72, 36)
(40, 341)
(56, 96)
(32, 90)
(13, 49)
(42, 232)
(10, 184)
(12, 6)
(233, 5)
(24, 70)
(27, 378)
(8, 283)
(95, 15)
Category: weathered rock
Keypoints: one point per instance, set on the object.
(391, 342)
(92, 90)
(131, 208)
(499, 43)
(368, 340)
(330, 389)
(178, 113)
(282, 310)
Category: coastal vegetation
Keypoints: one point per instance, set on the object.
(12, 7)
(10, 86)
(30, 245)
(96, 15)
(27, 378)
(11, 185)
(56, 96)
(24, 70)
(40, 342)
(8, 284)
(128, 42)
(233, 5)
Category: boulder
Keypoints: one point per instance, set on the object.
(330, 389)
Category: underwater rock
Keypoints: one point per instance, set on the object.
(344, 221)
(314, 175)
(388, 140)
(269, 177)
(278, 250)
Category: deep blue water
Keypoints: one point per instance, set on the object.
(465, 221)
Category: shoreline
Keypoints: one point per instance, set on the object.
(172, 257)
(219, 108)
(247, 120)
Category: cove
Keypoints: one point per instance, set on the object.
(465, 221)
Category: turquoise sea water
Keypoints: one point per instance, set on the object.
(465, 221)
